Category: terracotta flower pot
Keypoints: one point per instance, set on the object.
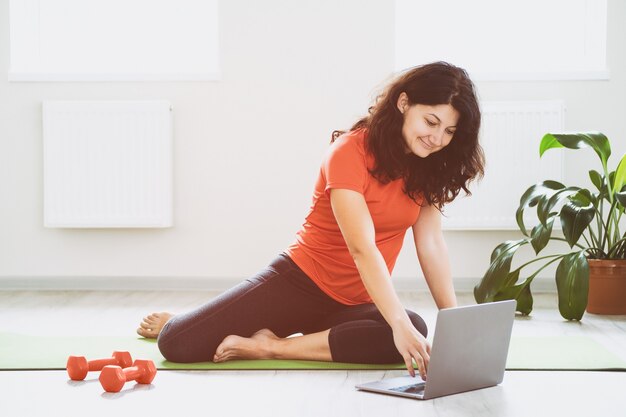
(607, 286)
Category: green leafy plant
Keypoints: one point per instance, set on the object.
(589, 221)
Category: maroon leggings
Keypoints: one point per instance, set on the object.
(285, 300)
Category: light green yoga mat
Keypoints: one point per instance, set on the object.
(526, 353)
(33, 352)
(576, 353)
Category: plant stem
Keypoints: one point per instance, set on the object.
(599, 219)
(596, 249)
(552, 261)
(586, 240)
(575, 244)
(596, 242)
(621, 254)
(602, 228)
(608, 182)
(617, 220)
(539, 259)
(530, 279)
(609, 230)
(616, 248)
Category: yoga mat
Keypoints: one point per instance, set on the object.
(23, 352)
(50, 352)
(577, 353)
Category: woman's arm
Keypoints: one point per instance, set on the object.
(432, 253)
(357, 228)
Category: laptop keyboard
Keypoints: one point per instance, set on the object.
(410, 389)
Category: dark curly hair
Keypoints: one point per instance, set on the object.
(439, 177)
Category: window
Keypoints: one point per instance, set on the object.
(505, 40)
(113, 40)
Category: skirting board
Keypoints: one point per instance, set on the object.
(200, 284)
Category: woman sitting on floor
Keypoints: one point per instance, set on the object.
(394, 170)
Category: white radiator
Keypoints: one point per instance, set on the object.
(107, 164)
(510, 136)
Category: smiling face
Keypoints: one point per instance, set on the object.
(427, 129)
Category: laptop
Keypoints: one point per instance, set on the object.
(469, 352)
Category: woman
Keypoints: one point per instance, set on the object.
(395, 169)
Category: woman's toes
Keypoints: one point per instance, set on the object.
(157, 317)
(219, 356)
(153, 323)
(226, 349)
(147, 330)
(143, 332)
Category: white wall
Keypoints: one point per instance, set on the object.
(248, 147)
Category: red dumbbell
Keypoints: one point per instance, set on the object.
(78, 366)
(113, 377)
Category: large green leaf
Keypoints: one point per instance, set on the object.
(596, 179)
(502, 248)
(532, 196)
(541, 235)
(496, 276)
(620, 176)
(572, 282)
(525, 301)
(606, 187)
(511, 279)
(545, 206)
(576, 214)
(595, 140)
(543, 212)
(521, 293)
(549, 141)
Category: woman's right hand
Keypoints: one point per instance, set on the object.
(412, 345)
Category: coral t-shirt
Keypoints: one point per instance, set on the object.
(320, 249)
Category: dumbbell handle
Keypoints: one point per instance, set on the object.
(98, 364)
(132, 373)
(114, 377)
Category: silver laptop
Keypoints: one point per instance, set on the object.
(469, 352)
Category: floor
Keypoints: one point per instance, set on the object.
(288, 393)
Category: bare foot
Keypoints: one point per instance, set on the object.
(256, 347)
(152, 324)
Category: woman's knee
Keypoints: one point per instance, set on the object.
(183, 342)
(418, 322)
(170, 345)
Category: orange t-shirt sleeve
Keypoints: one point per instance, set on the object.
(345, 167)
